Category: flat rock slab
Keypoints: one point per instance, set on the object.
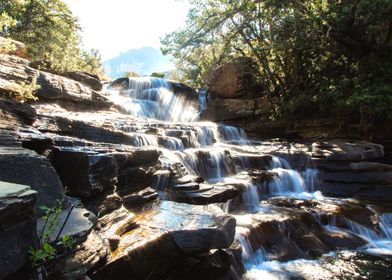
(78, 225)
(164, 235)
(9, 190)
(206, 194)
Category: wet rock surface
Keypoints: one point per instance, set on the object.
(164, 235)
(292, 234)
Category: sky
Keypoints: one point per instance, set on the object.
(119, 25)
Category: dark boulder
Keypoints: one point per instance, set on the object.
(17, 229)
(85, 78)
(140, 198)
(85, 173)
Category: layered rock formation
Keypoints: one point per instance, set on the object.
(146, 198)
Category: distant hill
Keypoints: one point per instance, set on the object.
(143, 61)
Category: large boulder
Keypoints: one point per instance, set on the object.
(16, 76)
(54, 87)
(17, 229)
(235, 79)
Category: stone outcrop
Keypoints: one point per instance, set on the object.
(17, 228)
(81, 261)
(16, 75)
(235, 79)
(23, 166)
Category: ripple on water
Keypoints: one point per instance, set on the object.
(340, 265)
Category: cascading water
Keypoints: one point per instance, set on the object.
(152, 98)
(219, 153)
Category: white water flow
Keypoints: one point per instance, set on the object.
(152, 98)
(223, 154)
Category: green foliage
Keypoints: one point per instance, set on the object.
(92, 62)
(48, 248)
(51, 33)
(157, 74)
(313, 55)
(131, 74)
(6, 46)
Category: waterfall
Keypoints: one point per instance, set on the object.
(151, 98)
(223, 154)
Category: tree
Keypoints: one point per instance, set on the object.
(131, 74)
(314, 55)
(51, 33)
(158, 74)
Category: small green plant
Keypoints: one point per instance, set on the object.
(21, 92)
(6, 46)
(49, 244)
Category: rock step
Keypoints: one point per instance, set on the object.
(165, 236)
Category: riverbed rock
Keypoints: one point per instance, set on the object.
(140, 198)
(17, 229)
(84, 259)
(228, 109)
(18, 112)
(344, 150)
(287, 234)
